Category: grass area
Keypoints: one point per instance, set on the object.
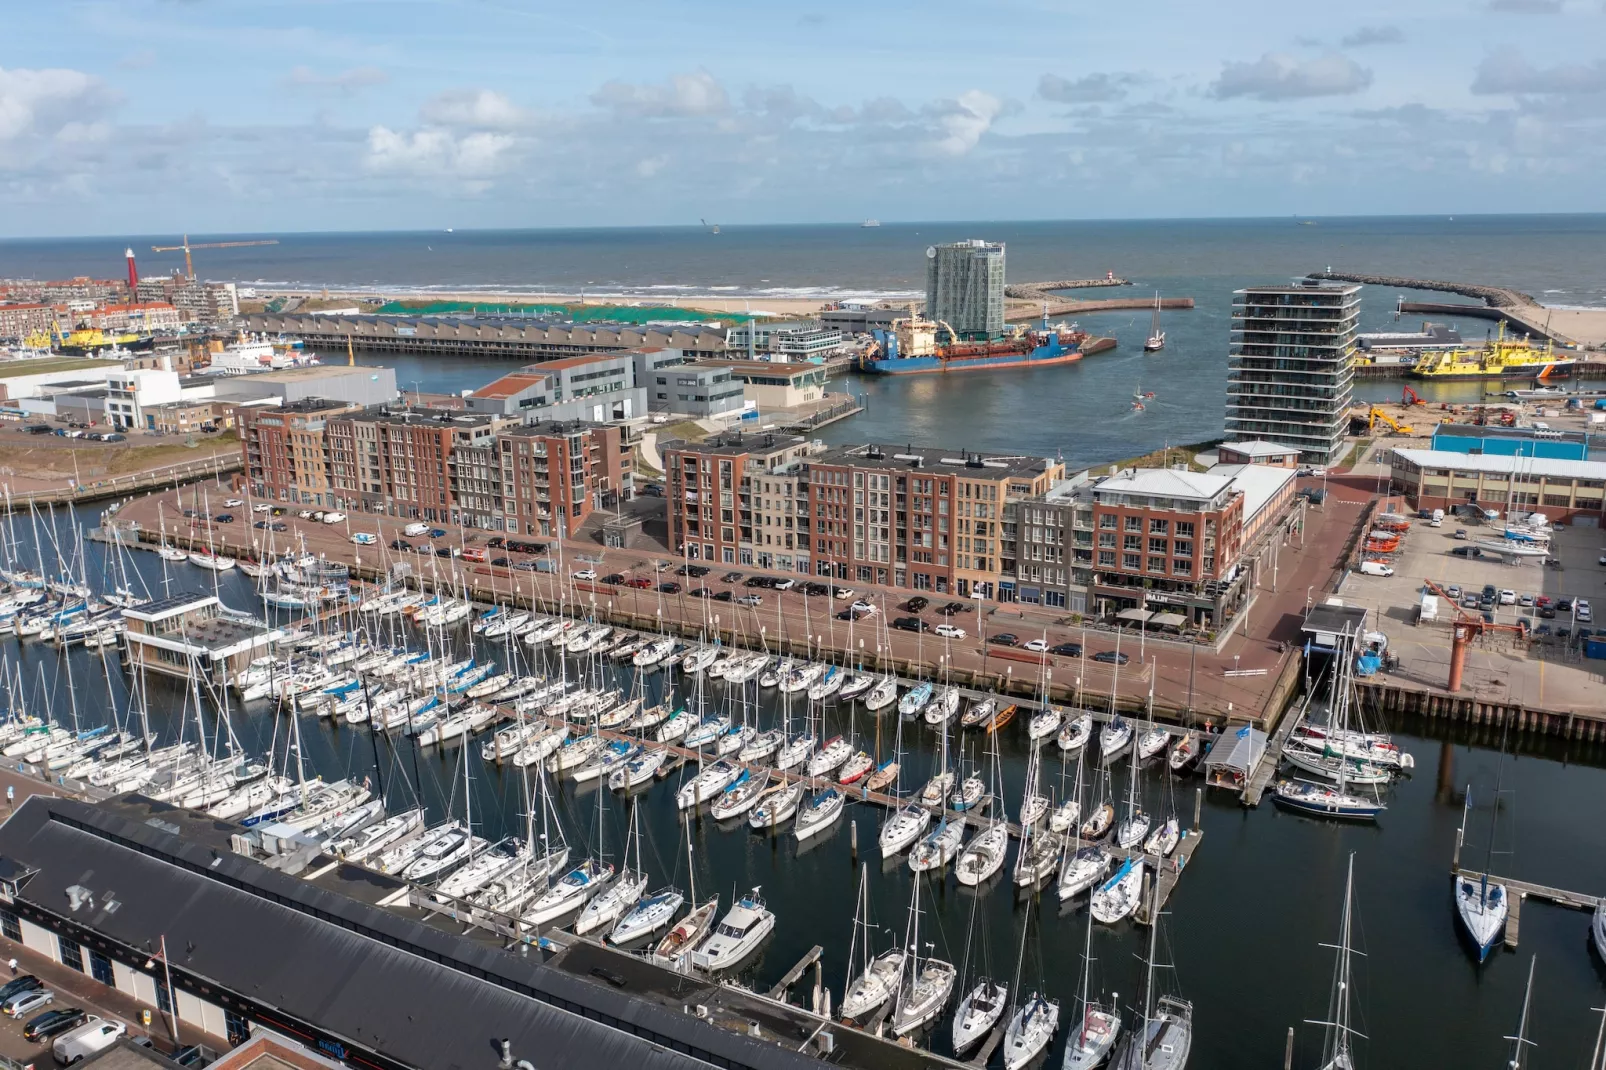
(1165, 458)
(1357, 452)
(43, 365)
(94, 462)
(685, 430)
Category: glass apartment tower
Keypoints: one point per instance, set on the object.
(1289, 373)
(965, 287)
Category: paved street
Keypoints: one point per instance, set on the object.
(1179, 676)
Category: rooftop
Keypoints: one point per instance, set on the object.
(762, 367)
(936, 459)
(511, 384)
(162, 608)
(314, 405)
(1165, 483)
(1503, 464)
(734, 442)
(1516, 433)
(581, 362)
(1259, 447)
(553, 428)
(1260, 483)
(305, 373)
(426, 417)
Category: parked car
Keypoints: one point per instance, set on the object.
(615, 578)
(50, 1023)
(495, 542)
(862, 608)
(400, 544)
(306, 514)
(364, 538)
(261, 507)
(911, 624)
(95, 1035)
(1525, 600)
(1547, 612)
(917, 604)
(731, 577)
(437, 533)
(261, 525)
(953, 607)
(1067, 650)
(748, 599)
(525, 566)
(232, 503)
(1038, 646)
(1454, 591)
(784, 583)
(840, 593)
(448, 551)
(583, 574)
(1004, 639)
(500, 562)
(726, 596)
(19, 984)
(26, 1001)
(413, 531)
(698, 592)
(1110, 657)
(1461, 534)
(949, 631)
(641, 583)
(279, 526)
(757, 581)
(669, 587)
(694, 571)
(224, 518)
(1508, 597)
(814, 590)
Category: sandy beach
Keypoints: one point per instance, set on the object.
(762, 306)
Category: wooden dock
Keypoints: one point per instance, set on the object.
(1517, 891)
(1270, 759)
(989, 1045)
(779, 989)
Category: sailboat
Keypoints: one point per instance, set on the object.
(689, 933)
(1520, 1043)
(1479, 899)
(1135, 825)
(1033, 1025)
(983, 856)
(1333, 801)
(1336, 1053)
(1098, 1027)
(1164, 1038)
(984, 1004)
(1156, 340)
(878, 976)
(620, 896)
(1083, 864)
(927, 985)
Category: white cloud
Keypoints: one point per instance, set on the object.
(651, 165)
(477, 109)
(1510, 72)
(347, 81)
(965, 120)
(1373, 35)
(683, 96)
(1526, 7)
(434, 152)
(44, 101)
(1275, 76)
(1089, 89)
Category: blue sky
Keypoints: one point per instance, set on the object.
(122, 116)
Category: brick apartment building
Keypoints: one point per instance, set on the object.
(285, 450)
(927, 519)
(444, 466)
(17, 321)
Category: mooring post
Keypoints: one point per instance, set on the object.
(853, 836)
(1288, 1051)
(1198, 807)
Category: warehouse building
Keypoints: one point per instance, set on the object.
(1564, 490)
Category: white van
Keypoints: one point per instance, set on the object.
(1437, 520)
(412, 531)
(95, 1035)
(1376, 568)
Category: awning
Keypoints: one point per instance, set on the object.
(1136, 616)
(1168, 620)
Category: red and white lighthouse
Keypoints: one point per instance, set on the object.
(133, 273)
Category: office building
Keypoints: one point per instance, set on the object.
(965, 287)
(790, 340)
(1290, 369)
(1569, 491)
(769, 385)
(853, 320)
(697, 390)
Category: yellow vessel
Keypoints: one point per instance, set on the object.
(1500, 358)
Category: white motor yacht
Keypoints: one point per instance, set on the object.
(737, 936)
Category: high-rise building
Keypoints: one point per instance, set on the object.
(965, 287)
(1289, 374)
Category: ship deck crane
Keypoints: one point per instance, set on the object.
(189, 266)
(1467, 628)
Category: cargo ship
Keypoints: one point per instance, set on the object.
(912, 348)
(1499, 358)
(90, 342)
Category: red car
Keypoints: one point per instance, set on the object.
(641, 583)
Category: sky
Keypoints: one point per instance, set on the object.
(212, 116)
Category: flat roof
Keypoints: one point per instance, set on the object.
(1260, 483)
(1259, 447)
(511, 384)
(734, 442)
(303, 373)
(935, 460)
(590, 358)
(1504, 464)
(1521, 434)
(238, 926)
(426, 417)
(162, 608)
(763, 367)
(1165, 483)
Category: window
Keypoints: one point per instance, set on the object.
(1132, 542)
(1134, 523)
(163, 1002)
(1181, 567)
(1107, 557)
(1132, 562)
(1107, 521)
(1183, 549)
(10, 926)
(1184, 529)
(1157, 546)
(71, 954)
(1156, 564)
(1158, 527)
(100, 968)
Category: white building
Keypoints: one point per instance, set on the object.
(130, 392)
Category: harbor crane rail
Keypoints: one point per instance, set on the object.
(189, 266)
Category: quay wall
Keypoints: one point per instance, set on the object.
(1493, 296)
(1388, 698)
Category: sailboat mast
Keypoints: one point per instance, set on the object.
(1520, 1043)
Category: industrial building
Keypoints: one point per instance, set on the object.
(697, 390)
(1290, 372)
(1528, 441)
(771, 385)
(194, 917)
(789, 340)
(853, 320)
(965, 287)
(331, 382)
(1570, 491)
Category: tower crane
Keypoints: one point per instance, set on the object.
(189, 267)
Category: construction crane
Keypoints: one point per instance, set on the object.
(1375, 414)
(189, 266)
(1467, 628)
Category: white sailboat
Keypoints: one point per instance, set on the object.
(1336, 1046)
(927, 984)
(1037, 1018)
(1163, 1038)
(1097, 1027)
(1480, 900)
(877, 975)
(1156, 340)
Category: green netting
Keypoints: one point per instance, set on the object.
(577, 313)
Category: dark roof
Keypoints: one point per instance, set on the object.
(172, 601)
(1335, 620)
(373, 979)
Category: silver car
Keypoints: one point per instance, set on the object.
(28, 1001)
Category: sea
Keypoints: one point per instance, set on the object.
(1246, 936)
(1080, 413)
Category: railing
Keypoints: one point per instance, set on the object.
(115, 486)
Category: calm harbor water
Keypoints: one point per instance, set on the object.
(1244, 926)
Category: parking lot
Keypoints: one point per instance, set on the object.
(1546, 669)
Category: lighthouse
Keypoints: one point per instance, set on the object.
(133, 274)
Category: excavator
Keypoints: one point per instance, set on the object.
(1375, 414)
(1410, 397)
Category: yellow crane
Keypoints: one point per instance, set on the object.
(189, 267)
(1375, 414)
